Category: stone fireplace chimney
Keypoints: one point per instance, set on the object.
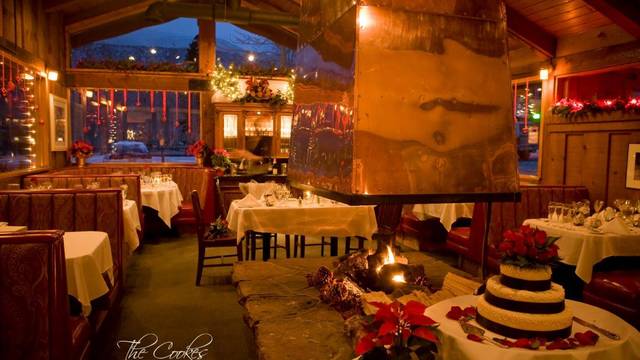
(404, 101)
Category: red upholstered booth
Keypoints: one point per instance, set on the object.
(73, 210)
(533, 204)
(188, 178)
(617, 291)
(34, 305)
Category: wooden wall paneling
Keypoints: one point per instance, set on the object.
(8, 21)
(594, 166)
(553, 160)
(574, 159)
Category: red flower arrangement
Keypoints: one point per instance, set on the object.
(528, 247)
(81, 148)
(587, 338)
(220, 159)
(399, 331)
(198, 149)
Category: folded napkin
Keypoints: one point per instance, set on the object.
(616, 226)
(248, 201)
(257, 189)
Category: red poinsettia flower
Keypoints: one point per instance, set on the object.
(395, 324)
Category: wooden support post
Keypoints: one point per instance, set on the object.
(485, 242)
(206, 65)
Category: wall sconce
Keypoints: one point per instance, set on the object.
(52, 75)
(544, 74)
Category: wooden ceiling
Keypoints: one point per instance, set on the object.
(536, 23)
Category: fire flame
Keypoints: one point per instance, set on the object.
(398, 278)
(389, 259)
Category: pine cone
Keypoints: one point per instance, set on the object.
(321, 277)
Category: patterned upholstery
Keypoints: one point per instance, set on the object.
(62, 181)
(187, 177)
(69, 210)
(34, 309)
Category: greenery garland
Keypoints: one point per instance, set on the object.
(571, 108)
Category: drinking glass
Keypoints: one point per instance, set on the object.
(551, 208)
(558, 216)
(567, 213)
(597, 205)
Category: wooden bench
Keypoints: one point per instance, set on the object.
(73, 210)
(34, 311)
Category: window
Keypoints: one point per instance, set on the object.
(170, 47)
(230, 131)
(19, 95)
(136, 125)
(527, 114)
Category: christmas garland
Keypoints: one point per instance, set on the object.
(571, 108)
(128, 65)
(226, 81)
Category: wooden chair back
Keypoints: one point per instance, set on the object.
(197, 213)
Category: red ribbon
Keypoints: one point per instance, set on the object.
(111, 104)
(151, 94)
(164, 106)
(526, 104)
(189, 112)
(124, 95)
(515, 101)
(177, 122)
(98, 112)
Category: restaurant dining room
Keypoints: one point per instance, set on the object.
(319, 179)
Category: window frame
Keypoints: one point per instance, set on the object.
(527, 178)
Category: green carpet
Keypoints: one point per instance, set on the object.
(160, 297)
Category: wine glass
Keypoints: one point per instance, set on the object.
(597, 205)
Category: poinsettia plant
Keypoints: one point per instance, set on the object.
(81, 148)
(528, 247)
(220, 159)
(218, 227)
(198, 149)
(398, 331)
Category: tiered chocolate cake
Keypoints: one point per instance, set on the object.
(522, 302)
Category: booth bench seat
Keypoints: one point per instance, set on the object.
(34, 311)
(188, 178)
(617, 291)
(73, 210)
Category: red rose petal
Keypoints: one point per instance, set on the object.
(474, 337)
(455, 313)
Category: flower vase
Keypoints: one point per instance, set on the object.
(81, 160)
(200, 160)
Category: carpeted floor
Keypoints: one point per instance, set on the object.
(160, 297)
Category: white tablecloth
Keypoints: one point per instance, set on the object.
(447, 213)
(88, 256)
(164, 198)
(455, 344)
(255, 188)
(12, 228)
(131, 220)
(583, 249)
(311, 219)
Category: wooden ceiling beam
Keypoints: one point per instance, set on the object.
(114, 28)
(61, 5)
(531, 33)
(105, 14)
(278, 35)
(624, 13)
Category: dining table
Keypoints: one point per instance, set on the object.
(448, 213)
(455, 344)
(164, 197)
(87, 257)
(311, 217)
(131, 221)
(583, 247)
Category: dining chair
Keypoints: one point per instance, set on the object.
(205, 241)
(225, 197)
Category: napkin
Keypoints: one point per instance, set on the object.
(616, 226)
(248, 201)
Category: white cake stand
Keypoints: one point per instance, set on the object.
(455, 344)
